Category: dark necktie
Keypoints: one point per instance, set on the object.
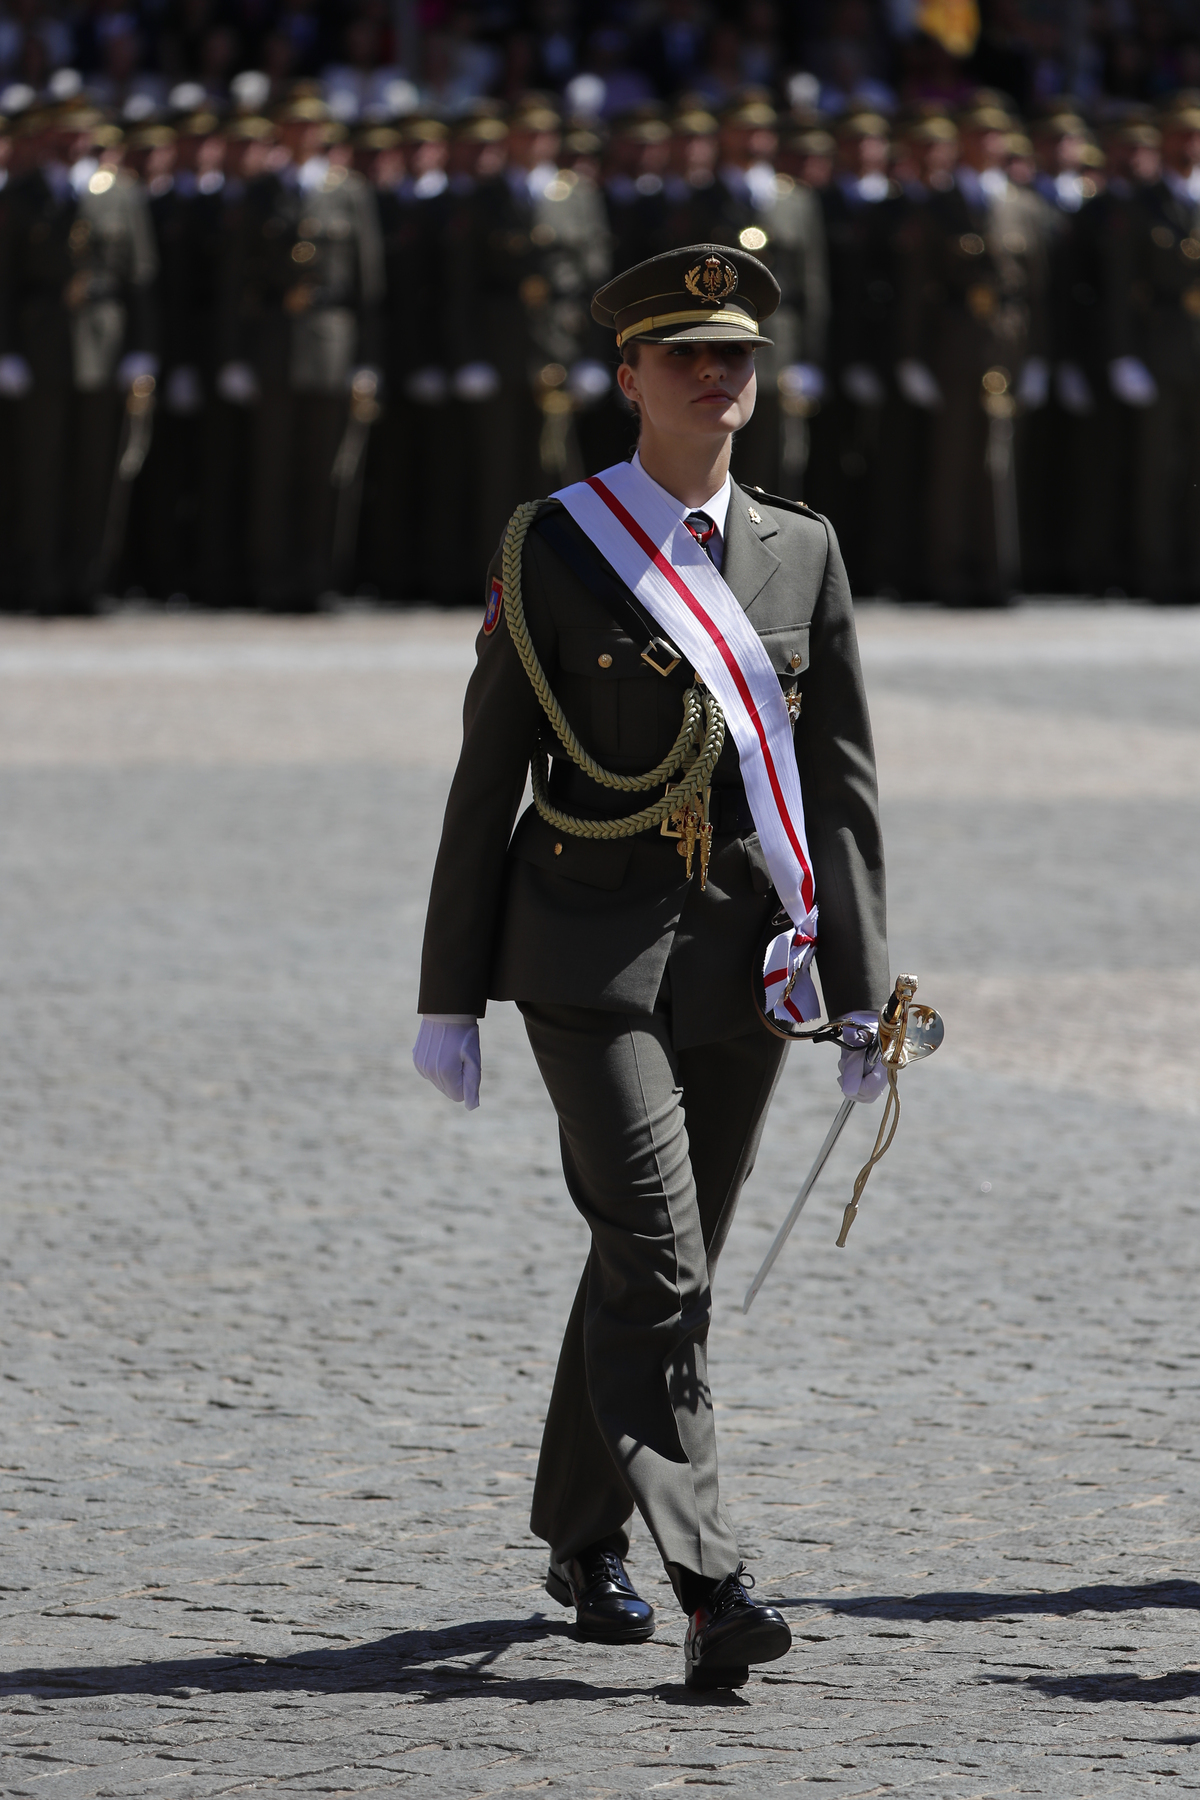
(704, 530)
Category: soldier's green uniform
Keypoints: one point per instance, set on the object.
(77, 267)
(635, 982)
(973, 302)
(305, 288)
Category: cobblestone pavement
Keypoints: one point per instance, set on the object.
(279, 1324)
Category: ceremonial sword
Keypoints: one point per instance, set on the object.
(905, 1034)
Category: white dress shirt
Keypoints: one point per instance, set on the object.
(717, 508)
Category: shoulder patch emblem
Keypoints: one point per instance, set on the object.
(495, 606)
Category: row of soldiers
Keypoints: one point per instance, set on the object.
(263, 361)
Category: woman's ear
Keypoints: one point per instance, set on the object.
(627, 381)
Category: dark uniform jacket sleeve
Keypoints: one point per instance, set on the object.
(501, 716)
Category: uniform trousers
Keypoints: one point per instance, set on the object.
(656, 1145)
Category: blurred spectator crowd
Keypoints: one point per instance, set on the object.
(294, 297)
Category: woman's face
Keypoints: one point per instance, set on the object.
(691, 390)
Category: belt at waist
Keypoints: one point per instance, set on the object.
(728, 808)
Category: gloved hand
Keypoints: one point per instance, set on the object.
(185, 395)
(133, 366)
(802, 381)
(589, 380)
(427, 387)
(851, 1079)
(918, 383)
(476, 381)
(237, 383)
(1074, 390)
(861, 383)
(16, 377)
(1033, 388)
(1132, 382)
(447, 1053)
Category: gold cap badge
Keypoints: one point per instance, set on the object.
(711, 279)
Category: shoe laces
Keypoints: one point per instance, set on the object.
(732, 1592)
(609, 1566)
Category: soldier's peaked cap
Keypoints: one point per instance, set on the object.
(704, 293)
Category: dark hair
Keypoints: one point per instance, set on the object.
(631, 349)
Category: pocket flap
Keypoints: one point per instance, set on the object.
(787, 647)
(603, 654)
(597, 862)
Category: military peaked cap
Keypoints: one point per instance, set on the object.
(703, 294)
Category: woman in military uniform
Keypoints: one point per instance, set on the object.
(630, 951)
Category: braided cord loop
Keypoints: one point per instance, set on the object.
(695, 751)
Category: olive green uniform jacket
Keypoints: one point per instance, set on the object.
(538, 915)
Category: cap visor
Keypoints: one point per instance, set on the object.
(704, 334)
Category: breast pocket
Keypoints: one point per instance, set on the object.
(623, 705)
(787, 647)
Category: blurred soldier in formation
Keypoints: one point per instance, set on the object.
(303, 297)
(852, 463)
(973, 342)
(1155, 289)
(77, 330)
(538, 248)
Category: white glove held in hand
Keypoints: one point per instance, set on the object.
(447, 1053)
(850, 1065)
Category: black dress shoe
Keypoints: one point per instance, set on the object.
(607, 1606)
(730, 1632)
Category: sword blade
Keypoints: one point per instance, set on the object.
(810, 1181)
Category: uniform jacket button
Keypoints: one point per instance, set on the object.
(558, 849)
(605, 660)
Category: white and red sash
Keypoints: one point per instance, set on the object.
(633, 524)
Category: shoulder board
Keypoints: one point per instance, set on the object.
(796, 506)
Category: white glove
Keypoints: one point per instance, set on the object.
(918, 383)
(802, 381)
(862, 385)
(447, 1053)
(853, 1083)
(1132, 382)
(185, 395)
(589, 380)
(131, 368)
(476, 381)
(1033, 388)
(427, 387)
(237, 383)
(1074, 390)
(16, 377)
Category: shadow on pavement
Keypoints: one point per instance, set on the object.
(1148, 1690)
(407, 1662)
(989, 1604)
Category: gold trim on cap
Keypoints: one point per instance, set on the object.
(724, 315)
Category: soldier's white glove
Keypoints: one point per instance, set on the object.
(1074, 390)
(589, 380)
(237, 383)
(134, 366)
(1033, 388)
(447, 1053)
(918, 383)
(427, 387)
(476, 381)
(862, 385)
(16, 377)
(1132, 382)
(185, 395)
(853, 1083)
(802, 381)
